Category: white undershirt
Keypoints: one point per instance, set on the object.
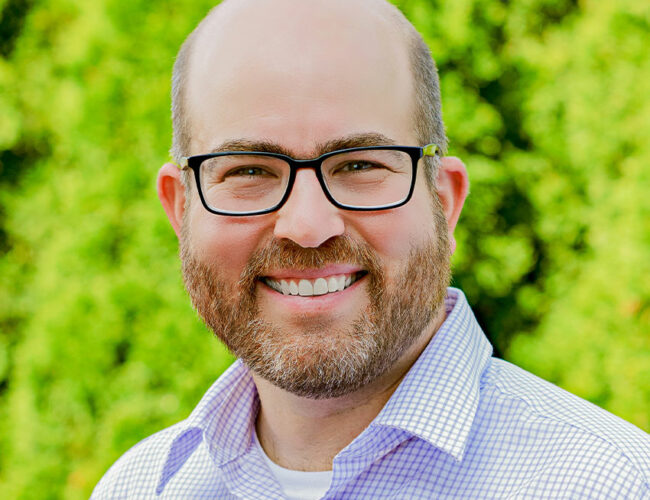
(298, 485)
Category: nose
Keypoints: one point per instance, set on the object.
(308, 218)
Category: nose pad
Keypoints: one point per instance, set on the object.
(308, 218)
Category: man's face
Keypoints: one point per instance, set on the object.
(301, 86)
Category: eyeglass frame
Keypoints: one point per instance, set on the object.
(415, 152)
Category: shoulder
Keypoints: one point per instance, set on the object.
(547, 415)
(150, 464)
(137, 472)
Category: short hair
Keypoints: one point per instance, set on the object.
(428, 124)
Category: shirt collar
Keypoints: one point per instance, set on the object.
(439, 396)
(226, 414)
(436, 401)
(223, 420)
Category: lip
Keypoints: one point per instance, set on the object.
(312, 274)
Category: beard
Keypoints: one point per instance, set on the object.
(317, 360)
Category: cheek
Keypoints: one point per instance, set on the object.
(225, 243)
(393, 233)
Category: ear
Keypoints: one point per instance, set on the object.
(452, 186)
(171, 193)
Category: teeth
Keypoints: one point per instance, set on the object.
(320, 287)
(308, 288)
(305, 288)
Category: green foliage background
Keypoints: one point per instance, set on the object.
(547, 101)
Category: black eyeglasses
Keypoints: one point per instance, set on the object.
(253, 183)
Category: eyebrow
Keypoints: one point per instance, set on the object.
(348, 141)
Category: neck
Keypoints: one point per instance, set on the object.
(306, 434)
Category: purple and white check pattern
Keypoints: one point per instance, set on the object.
(462, 424)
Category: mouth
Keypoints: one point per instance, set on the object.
(313, 287)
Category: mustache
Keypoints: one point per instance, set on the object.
(283, 254)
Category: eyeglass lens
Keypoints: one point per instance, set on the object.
(364, 179)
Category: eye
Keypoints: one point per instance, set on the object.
(248, 171)
(357, 166)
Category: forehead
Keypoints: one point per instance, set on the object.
(298, 73)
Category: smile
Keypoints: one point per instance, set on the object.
(311, 287)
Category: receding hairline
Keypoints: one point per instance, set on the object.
(393, 17)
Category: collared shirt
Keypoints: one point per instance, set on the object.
(462, 424)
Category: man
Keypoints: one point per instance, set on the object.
(315, 214)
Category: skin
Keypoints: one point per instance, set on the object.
(300, 89)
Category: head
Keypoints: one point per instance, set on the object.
(305, 78)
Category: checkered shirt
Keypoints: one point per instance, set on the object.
(462, 424)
